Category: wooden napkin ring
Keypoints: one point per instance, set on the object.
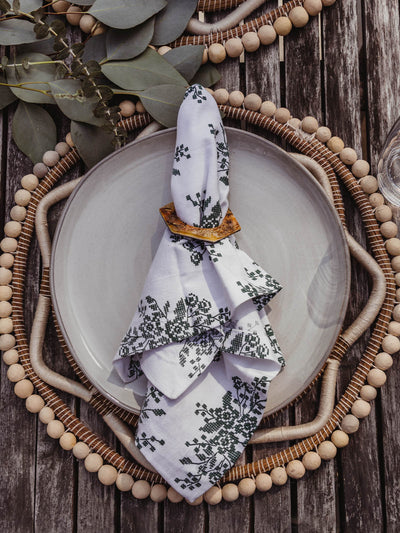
(229, 226)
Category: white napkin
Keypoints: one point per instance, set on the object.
(200, 341)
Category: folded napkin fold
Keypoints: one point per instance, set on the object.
(200, 343)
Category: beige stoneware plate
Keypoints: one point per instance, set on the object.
(110, 229)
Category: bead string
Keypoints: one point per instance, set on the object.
(362, 393)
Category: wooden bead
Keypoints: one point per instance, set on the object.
(6, 309)
(267, 34)
(107, 474)
(68, 140)
(393, 246)
(295, 123)
(74, 15)
(282, 115)
(230, 492)
(350, 423)
(252, 102)
(309, 124)
(174, 496)
(348, 156)
(98, 29)
(86, 23)
(311, 460)
(233, 47)
(213, 496)
(141, 489)
(390, 344)
(46, 415)
(140, 107)
(335, 144)
(18, 213)
(383, 213)
(10, 357)
(368, 393)
(127, 108)
(124, 482)
(376, 199)
(62, 148)
(163, 50)
(339, 438)
(15, 372)
(9, 245)
(5, 290)
(40, 170)
(55, 428)
(376, 377)
(369, 184)
(282, 26)
(221, 96)
(22, 197)
(263, 482)
(216, 53)
(34, 403)
(236, 98)
(81, 450)
(6, 260)
(210, 91)
(158, 493)
(299, 17)
(67, 441)
(295, 469)
(204, 59)
(60, 6)
(388, 229)
(247, 487)
(328, 2)
(6, 325)
(360, 168)
(93, 462)
(327, 450)
(51, 158)
(323, 134)
(313, 7)
(397, 295)
(395, 262)
(397, 280)
(361, 408)
(383, 360)
(251, 41)
(268, 108)
(23, 388)
(278, 475)
(195, 502)
(30, 182)
(7, 342)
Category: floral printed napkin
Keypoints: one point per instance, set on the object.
(200, 343)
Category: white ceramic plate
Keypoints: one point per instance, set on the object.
(110, 229)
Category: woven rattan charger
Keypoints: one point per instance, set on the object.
(381, 304)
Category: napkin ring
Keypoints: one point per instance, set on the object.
(228, 226)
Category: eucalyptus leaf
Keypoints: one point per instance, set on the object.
(6, 96)
(34, 131)
(124, 14)
(172, 20)
(95, 48)
(92, 143)
(127, 44)
(31, 78)
(26, 6)
(42, 46)
(145, 71)
(163, 102)
(207, 76)
(16, 31)
(69, 98)
(186, 59)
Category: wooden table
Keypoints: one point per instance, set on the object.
(344, 69)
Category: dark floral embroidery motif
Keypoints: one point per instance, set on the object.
(198, 249)
(211, 220)
(196, 349)
(274, 344)
(225, 432)
(181, 152)
(222, 153)
(134, 369)
(143, 441)
(197, 93)
(245, 343)
(145, 412)
(253, 288)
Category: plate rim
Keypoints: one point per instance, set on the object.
(93, 169)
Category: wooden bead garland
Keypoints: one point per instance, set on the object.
(67, 441)
(23, 389)
(339, 438)
(278, 475)
(124, 482)
(368, 393)
(34, 403)
(55, 428)
(263, 482)
(174, 496)
(350, 423)
(141, 489)
(327, 450)
(247, 487)
(295, 469)
(361, 408)
(81, 450)
(311, 460)
(46, 414)
(93, 462)
(107, 474)
(230, 492)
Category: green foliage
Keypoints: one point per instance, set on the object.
(124, 14)
(92, 143)
(32, 75)
(172, 20)
(127, 44)
(16, 31)
(6, 95)
(207, 76)
(34, 131)
(163, 102)
(186, 59)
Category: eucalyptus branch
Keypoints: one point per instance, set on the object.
(20, 86)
